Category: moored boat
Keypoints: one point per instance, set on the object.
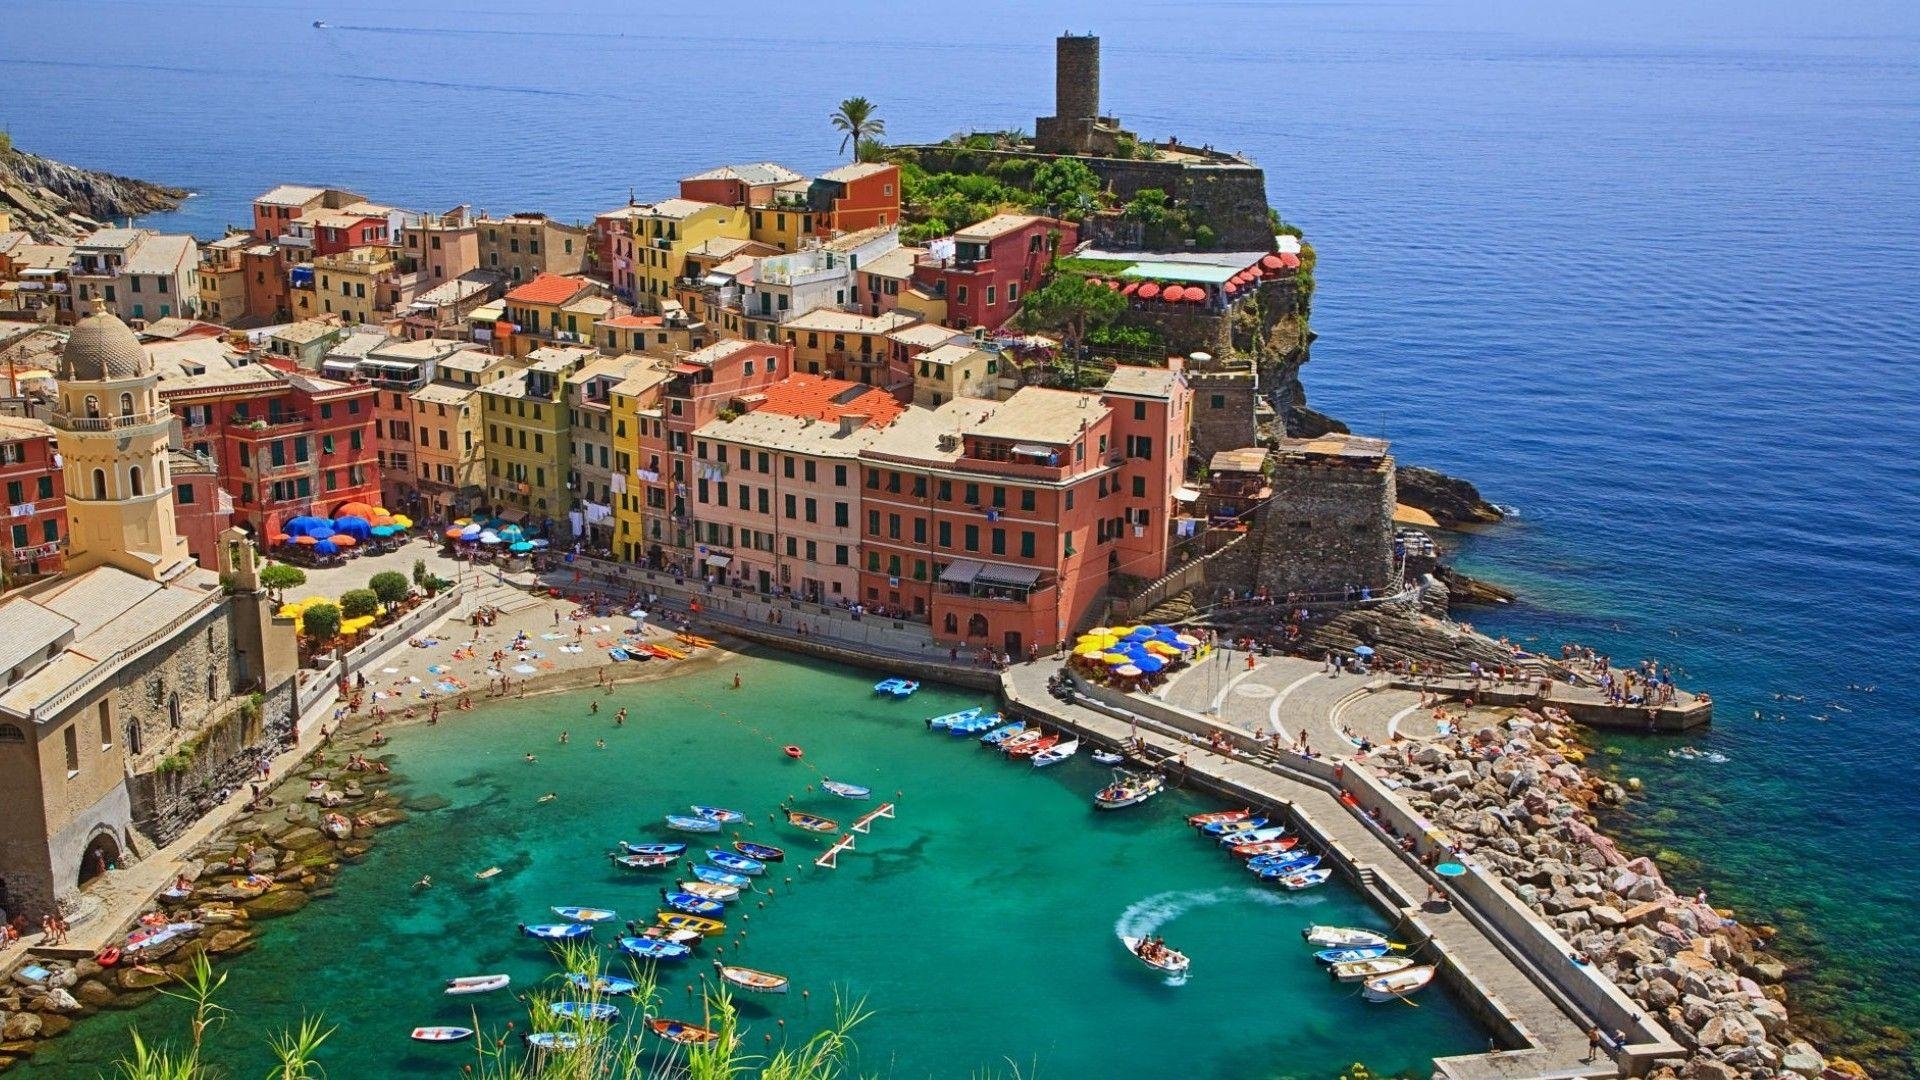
(583, 914)
(592, 1011)
(691, 904)
(942, 723)
(1237, 825)
(1398, 984)
(1372, 967)
(763, 852)
(646, 948)
(644, 862)
(556, 931)
(1108, 757)
(760, 982)
(1341, 937)
(652, 848)
(678, 920)
(810, 822)
(1348, 956)
(719, 813)
(1300, 860)
(899, 688)
(441, 1034)
(692, 824)
(612, 985)
(720, 877)
(1252, 836)
(1014, 742)
(1056, 754)
(1128, 789)
(707, 889)
(1256, 848)
(1215, 816)
(681, 1032)
(559, 1040)
(1305, 879)
(986, 721)
(1157, 956)
(477, 984)
(739, 864)
(846, 790)
(1044, 742)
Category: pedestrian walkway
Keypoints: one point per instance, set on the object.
(1288, 695)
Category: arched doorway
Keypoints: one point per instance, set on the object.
(103, 852)
(977, 626)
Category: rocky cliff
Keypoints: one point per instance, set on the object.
(56, 201)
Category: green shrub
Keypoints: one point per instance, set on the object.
(321, 623)
(390, 586)
(359, 603)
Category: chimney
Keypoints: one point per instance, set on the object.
(852, 422)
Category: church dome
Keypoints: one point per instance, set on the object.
(101, 347)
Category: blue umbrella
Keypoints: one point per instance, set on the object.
(356, 527)
(319, 530)
(384, 531)
(1363, 650)
(1149, 663)
(520, 545)
(299, 525)
(512, 532)
(326, 547)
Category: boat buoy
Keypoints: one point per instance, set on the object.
(793, 751)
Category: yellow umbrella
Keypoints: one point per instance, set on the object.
(1089, 649)
(1114, 659)
(1161, 648)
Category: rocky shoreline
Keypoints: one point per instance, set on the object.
(1516, 795)
(56, 201)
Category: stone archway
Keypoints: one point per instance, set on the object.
(103, 851)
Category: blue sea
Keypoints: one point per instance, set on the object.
(1646, 272)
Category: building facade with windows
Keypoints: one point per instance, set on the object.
(36, 507)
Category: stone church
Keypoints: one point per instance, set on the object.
(136, 689)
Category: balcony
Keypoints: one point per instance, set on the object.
(265, 469)
(259, 426)
(109, 423)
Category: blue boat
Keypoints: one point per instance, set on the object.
(557, 931)
(717, 876)
(845, 790)
(763, 852)
(1003, 733)
(646, 948)
(644, 862)
(1282, 858)
(899, 688)
(559, 1040)
(584, 914)
(612, 985)
(739, 864)
(976, 725)
(1253, 836)
(583, 1010)
(1225, 828)
(1275, 873)
(692, 824)
(941, 723)
(1349, 955)
(652, 849)
(618, 655)
(719, 813)
(691, 904)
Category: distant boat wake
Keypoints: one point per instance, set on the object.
(1143, 917)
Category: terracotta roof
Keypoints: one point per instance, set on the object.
(828, 399)
(547, 289)
(633, 322)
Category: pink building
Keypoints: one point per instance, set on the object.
(613, 249)
(1151, 409)
(202, 510)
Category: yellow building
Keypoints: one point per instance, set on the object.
(827, 341)
(223, 278)
(357, 284)
(787, 221)
(452, 468)
(639, 512)
(552, 310)
(666, 231)
(525, 444)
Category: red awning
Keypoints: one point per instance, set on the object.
(1149, 291)
(1271, 262)
(1290, 260)
(1131, 288)
(688, 369)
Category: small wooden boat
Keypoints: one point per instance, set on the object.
(691, 904)
(1256, 848)
(1217, 816)
(1398, 984)
(591, 1011)
(692, 824)
(1018, 739)
(1237, 825)
(441, 1034)
(646, 948)
(1044, 742)
(793, 751)
(1341, 937)
(680, 920)
(1003, 733)
(681, 1032)
(1128, 789)
(652, 849)
(644, 862)
(941, 723)
(810, 822)
(1348, 956)
(897, 688)
(559, 1040)
(976, 725)
(1370, 968)
(760, 982)
(611, 985)
(556, 931)
(583, 914)
(1169, 961)
(1285, 860)
(1108, 757)
(739, 864)
(763, 852)
(689, 938)
(1252, 836)
(720, 814)
(477, 984)
(618, 655)
(845, 790)
(1305, 879)
(1056, 754)
(487, 874)
(710, 891)
(721, 877)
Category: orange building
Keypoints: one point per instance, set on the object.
(857, 196)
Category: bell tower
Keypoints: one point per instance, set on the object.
(113, 444)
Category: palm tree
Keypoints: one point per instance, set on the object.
(857, 121)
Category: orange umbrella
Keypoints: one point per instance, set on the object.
(342, 540)
(353, 509)
(305, 541)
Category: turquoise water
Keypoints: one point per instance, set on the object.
(980, 924)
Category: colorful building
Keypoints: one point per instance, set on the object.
(359, 286)
(522, 247)
(439, 247)
(991, 264)
(141, 274)
(525, 445)
(451, 469)
(550, 310)
(36, 507)
(858, 196)
(641, 516)
(846, 345)
(202, 509)
(276, 211)
(613, 249)
(591, 430)
(1152, 414)
(355, 225)
(223, 278)
(664, 233)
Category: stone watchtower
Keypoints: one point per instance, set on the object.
(1327, 527)
(1076, 126)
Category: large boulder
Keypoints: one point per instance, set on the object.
(53, 1025)
(93, 993)
(136, 979)
(279, 902)
(21, 1025)
(1803, 1059)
